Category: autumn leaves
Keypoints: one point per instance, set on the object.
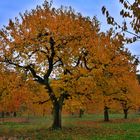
(70, 58)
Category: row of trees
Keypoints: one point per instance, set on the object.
(22, 96)
(70, 59)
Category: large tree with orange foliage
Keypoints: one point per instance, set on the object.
(48, 44)
(61, 50)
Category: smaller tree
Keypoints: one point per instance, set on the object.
(13, 91)
(128, 96)
(114, 67)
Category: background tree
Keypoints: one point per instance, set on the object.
(128, 96)
(114, 67)
(13, 91)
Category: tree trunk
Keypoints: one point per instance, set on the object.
(2, 114)
(57, 112)
(43, 112)
(7, 114)
(72, 113)
(125, 113)
(106, 114)
(14, 114)
(81, 112)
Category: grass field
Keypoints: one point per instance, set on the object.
(89, 127)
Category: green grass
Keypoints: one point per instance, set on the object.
(89, 127)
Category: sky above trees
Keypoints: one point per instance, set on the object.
(11, 9)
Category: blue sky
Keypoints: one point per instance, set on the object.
(11, 9)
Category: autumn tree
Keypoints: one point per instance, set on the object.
(48, 44)
(64, 52)
(128, 96)
(17, 92)
(113, 69)
(77, 105)
(12, 91)
(130, 28)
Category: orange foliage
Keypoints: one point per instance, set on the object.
(68, 55)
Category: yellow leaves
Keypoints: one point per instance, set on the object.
(74, 104)
(15, 92)
(57, 87)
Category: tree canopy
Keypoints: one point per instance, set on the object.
(67, 54)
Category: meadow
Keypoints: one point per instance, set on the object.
(89, 127)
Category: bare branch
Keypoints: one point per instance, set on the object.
(29, 68)
(50, 59)
(42, 102)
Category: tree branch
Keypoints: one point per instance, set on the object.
(41, 102)
(50, 60)
(29, 68)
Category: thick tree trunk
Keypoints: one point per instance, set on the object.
(57, 112)
(106, 114)
(125, 113)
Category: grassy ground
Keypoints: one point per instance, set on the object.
(90, 127)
